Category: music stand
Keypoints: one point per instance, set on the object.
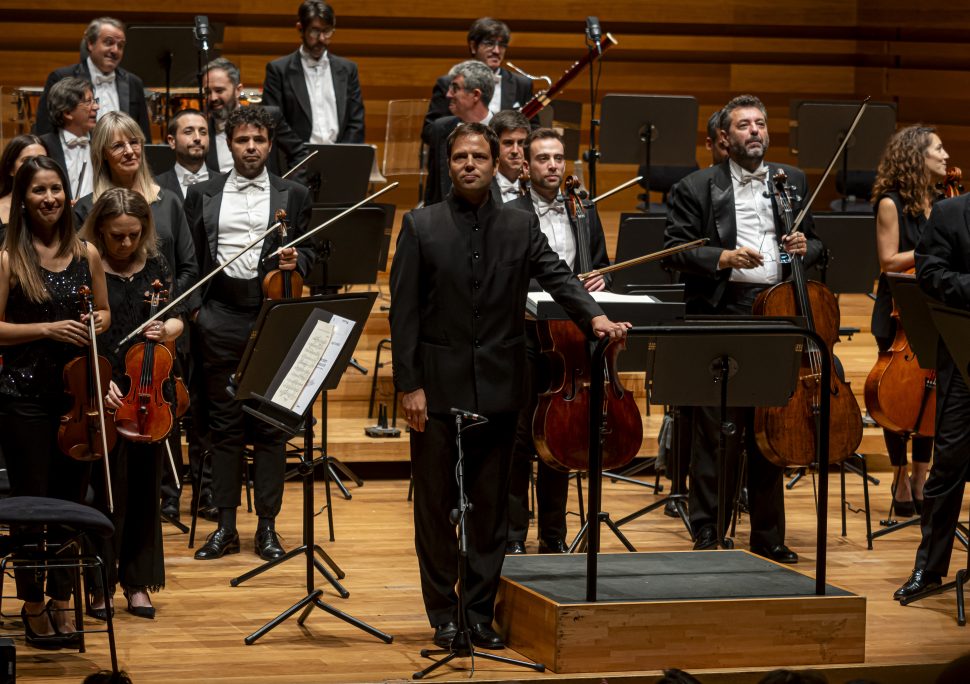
(352, 249)
(664, 125)
(339, 174)
(849, 262)
(160, 158)
(281, 333)
(567, 116)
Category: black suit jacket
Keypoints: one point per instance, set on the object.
(702, 205)
(131, 97)
(204, 202)
(459, 282)
(438, 182)
(287, 150)
(169, 181)
(516, 91)
(55, 150)
(943, 253)
(285, 88)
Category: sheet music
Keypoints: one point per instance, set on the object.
(295, 381)
(341, 328)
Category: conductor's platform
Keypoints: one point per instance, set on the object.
(690, 609)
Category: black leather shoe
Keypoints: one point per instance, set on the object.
(905, 509)
(444, 634)
(207, 510)
(147, 612)
(48, 642)
(218, 544)
(267, 544)
(705, 539)
(484, 636)
(170, 508)
(918, 582)
(553, 546)
(778, 553)
(513, 548)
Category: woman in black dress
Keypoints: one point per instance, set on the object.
(17, 151)
(913, 162)
(120, 225)
(42, 265)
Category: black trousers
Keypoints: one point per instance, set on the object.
(487, 456)
(943, 492)
(552, 486)
(224, 331)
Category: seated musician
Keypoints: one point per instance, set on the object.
(488, 42)
(471, 87)
(225, 213)
(317, 91)
(545, 154)
(743, 257)
(512, 128)
(188, 136)
(73, 111)
(115, 89)
(457, 325)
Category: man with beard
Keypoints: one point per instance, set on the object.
(188, 136)
(512, 128)
(729, 203)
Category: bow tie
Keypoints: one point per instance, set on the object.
(514, 190)
(101, 79)
(756, 176)
(193, 178)
(78, 142)
(245, 183)
(544, 208)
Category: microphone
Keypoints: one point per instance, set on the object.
(201, 31)
(594, 32)
(468, 415)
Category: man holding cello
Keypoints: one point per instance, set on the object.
(730, 204)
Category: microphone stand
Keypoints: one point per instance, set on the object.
(592, 154)
(202, 52)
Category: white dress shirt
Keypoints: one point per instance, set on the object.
(554, 224)
(755, 219)
(222, 152)
(105, 89)
(187, 178)
(77, 156)
(510, 189)
(323, 98)
(243, 215)
(495, 104)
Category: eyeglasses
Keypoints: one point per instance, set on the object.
(454, 87)
(118, 148)
(90, 102)
(494, 43)
(315, 33)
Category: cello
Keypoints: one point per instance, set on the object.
(560, 425)
(786, 435)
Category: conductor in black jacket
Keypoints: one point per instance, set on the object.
(459, 282)
(729, 204)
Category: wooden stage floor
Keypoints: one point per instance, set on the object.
(198, 634)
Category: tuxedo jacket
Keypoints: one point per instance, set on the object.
(943, 253)
(131, 97)
(203, 204)
(516, 91)
(459, 282)
(55, 150)
(285, 88)
(287, 150)
(701, 205)
(169, 181)
(437, 184)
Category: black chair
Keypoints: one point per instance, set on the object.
(35, 550)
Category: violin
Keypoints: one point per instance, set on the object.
(145, 415)
(181, 391)
(952, 185)
(786, 435)
(560, 425)
(279, 283)
(84, 434)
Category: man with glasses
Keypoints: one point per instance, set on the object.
(73, 111)
(488, 41)
(116, 90)
(318, 92)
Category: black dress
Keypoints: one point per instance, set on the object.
(31, 403)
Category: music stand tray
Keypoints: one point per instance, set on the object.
(339, 173)
(352, 249)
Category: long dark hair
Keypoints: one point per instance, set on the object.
(10, 154)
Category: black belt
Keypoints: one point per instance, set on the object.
(243, 293)
(739, 288)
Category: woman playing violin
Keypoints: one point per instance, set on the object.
(912, 163)
(42, 265)
(120, 225)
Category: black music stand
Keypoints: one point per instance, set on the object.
(279, 336)
(160, 158)
(650, 130)
(353, 249)
(849, 262)
(339, 174)
(639, 235)
(567, 116)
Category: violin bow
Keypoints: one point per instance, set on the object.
(299, 164)
(653, 256)
(618, 188)
(93, 334)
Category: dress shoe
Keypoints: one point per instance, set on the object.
(170, 508)
(904, 509)
(100, 614)
(553, 546)
(513, 548)
(778, 553)
(670, 508)
(705, 539)
(484, 636)
(267, 544)
(47, 642)
(218, 544)
(444, 634)
(918, 582)
(147, 612)
(207, 510)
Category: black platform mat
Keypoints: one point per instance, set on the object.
(688, 575)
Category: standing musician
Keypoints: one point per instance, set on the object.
(42, 266)
(512, 128)
(488, 41)
(547, 164)
(222, 91)
(317, 91)
(121, 226)
(225, 214)
(17, 150)
(74, 112)
(458, 285)
(116, 89)
(729, 204)
(913, 162)
(943, 270)
(188, 136)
